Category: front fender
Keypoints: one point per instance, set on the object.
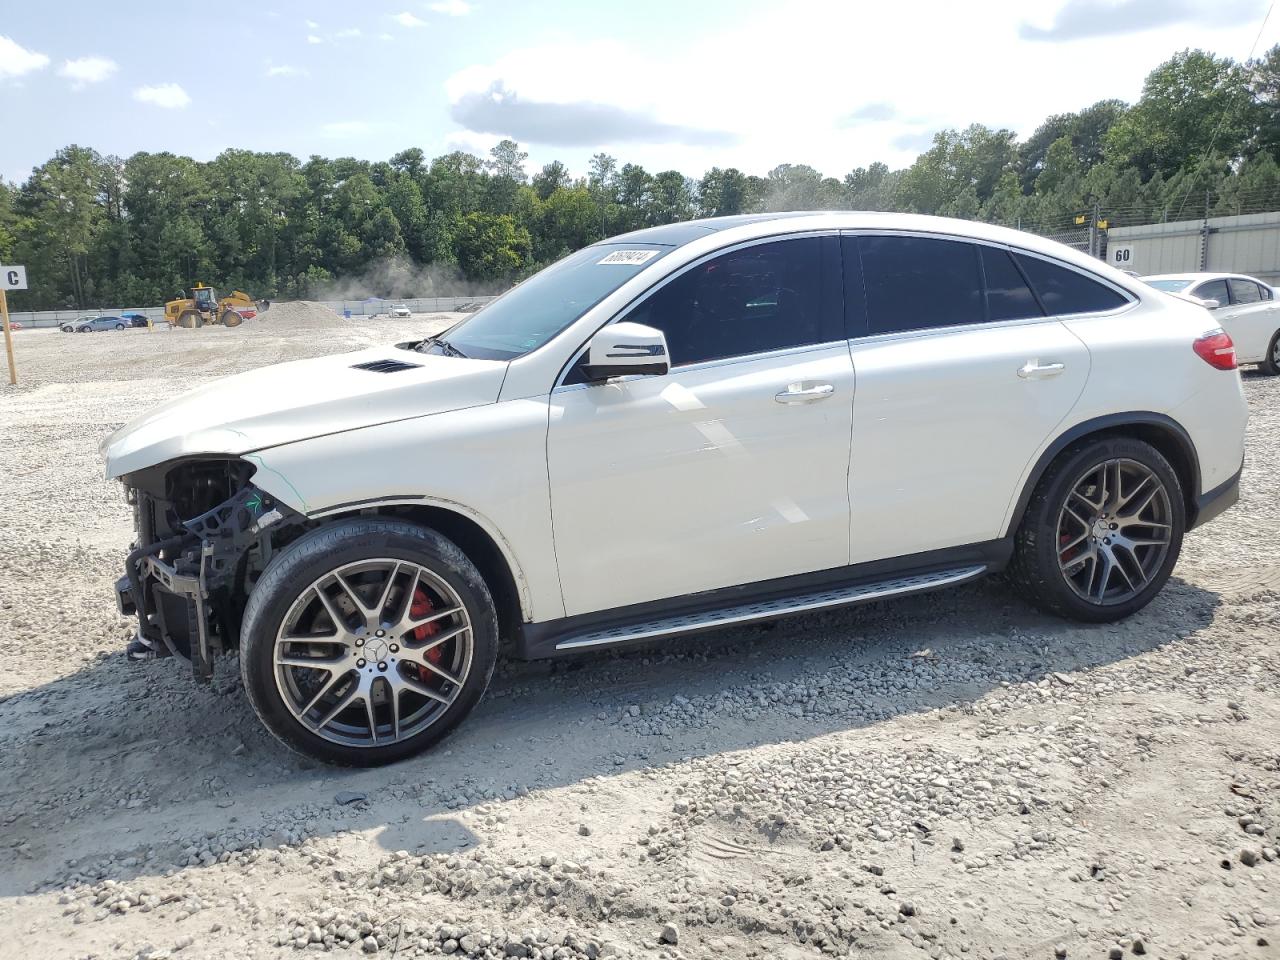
(486, 463)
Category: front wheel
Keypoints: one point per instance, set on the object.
(367, 641)
(1271, 365)
(1102, 531)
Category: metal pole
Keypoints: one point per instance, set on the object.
(8, 337)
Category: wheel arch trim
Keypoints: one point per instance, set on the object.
(1149, 421)
(518, 578)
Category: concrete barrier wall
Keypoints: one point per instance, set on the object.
(375, 307)
(358, 308)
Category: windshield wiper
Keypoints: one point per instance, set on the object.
(447, 348)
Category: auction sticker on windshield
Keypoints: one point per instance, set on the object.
(630, 257)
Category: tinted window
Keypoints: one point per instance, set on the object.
(1008, 296)
(766, 297)
(532, 312)
(1064, 291)
(1244, 291)
(1213, 290)
(914, 283)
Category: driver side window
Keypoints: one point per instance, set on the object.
(770, 296)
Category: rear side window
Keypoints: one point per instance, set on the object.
(915, 283)
(1213, 290)
(1244, 291)
(1008, 296)
(1064, 291)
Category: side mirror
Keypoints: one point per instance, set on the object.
(627, 349)
(1211, 304)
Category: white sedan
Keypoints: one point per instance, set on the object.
(1246, 308)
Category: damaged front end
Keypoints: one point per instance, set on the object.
(204, 533)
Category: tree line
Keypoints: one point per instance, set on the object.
(93, 230)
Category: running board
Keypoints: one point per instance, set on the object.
(768, 609)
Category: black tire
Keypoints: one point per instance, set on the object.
(1271, 365)
(190, 319)
(305, 561)
(231, 319)
(119, 326)
(1034, 569)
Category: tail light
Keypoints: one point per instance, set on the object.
(1216, 349)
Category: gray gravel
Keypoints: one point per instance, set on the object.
(953, 775)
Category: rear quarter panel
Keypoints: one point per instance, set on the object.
(1143, 361)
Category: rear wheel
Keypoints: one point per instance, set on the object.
(190, 319)
(367, 641)
(1271, 365)
(1102, 531)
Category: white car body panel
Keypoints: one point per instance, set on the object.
(1252, 326)
(650, 488)
(663, 486)
(946, 410)
(486, 462)
(297, 400)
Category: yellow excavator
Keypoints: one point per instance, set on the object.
(204, 307)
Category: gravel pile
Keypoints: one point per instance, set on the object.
(950, 776)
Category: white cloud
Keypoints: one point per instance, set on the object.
(16, 60)
(345, 128)
(167, 95)
(312, 38)
(805, 116)
(86, 70)
(286, 70)
(385, 36)
(407, 19)
(312, 25)
(348, 33)
(452, 8)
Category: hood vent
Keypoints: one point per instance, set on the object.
(385, 366)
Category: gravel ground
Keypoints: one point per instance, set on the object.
(953, 775)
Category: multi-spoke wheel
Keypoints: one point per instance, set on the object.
(367, 641)
(1113, 531)
(1102, 531)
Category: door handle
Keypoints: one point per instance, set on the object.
(1035, 370)
(800, 393)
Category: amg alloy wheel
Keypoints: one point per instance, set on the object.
(1113, 531)
(367, 641)
(373, 652)
(1102, 530)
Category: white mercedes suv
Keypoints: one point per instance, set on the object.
(689, 426)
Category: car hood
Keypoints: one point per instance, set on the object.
(298, 400)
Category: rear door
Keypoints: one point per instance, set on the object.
(962, 377)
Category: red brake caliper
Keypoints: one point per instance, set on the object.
(421, 607)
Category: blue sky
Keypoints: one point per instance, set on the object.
(687, 84)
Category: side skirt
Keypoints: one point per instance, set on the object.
(767, 600)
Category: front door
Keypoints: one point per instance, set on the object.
(732, 468)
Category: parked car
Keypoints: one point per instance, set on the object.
(1246, 308)
(90, 324)
(136, 319)
(400, 312)
(686, 427)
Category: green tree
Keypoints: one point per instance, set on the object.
(491, 246)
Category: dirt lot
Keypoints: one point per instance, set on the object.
(954, 775)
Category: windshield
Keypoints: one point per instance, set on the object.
(532, 312)
(1169, 286)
